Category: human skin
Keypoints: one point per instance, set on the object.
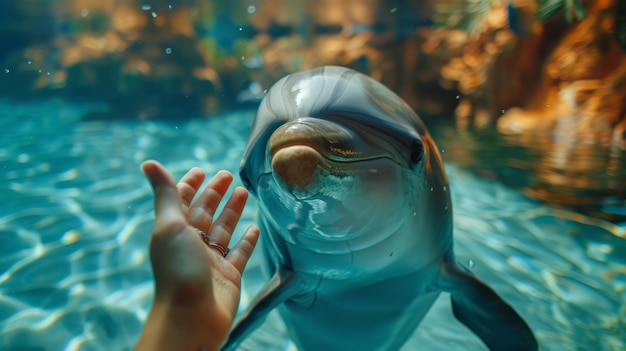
(197, 290)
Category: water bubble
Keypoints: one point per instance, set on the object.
(240, 29)
(251, 9)
(431, 188)
(168, 50)
(30, 62)
(169, 6)
(6, 70)
(458, 97)
(471, 263)
(445, 188)
(154, 14)
(146, 7)
(84, 12)
(393, 10)
(503, 110)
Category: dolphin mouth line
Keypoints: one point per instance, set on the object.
(328, 164)
(330, 140)
(328, 152)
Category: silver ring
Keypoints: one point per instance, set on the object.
(213, 244)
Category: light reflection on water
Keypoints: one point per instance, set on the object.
(77, 213)
(551, 166)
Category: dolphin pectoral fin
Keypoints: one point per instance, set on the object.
(484, 312)
(283, 285)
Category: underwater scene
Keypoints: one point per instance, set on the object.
(525, 100)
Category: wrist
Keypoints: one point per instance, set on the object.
(172, 327)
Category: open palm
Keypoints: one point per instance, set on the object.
(192, 279)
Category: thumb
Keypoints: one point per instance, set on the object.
(178, 274)
(167, 201)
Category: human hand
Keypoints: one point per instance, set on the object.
(197, 289)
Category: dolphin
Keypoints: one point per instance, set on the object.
(356, 220)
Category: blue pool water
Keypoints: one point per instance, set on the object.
(76, 215)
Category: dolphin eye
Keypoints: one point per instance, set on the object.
(416, 153)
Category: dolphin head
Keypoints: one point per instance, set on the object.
(334, 157)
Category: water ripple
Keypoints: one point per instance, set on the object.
(77, 215)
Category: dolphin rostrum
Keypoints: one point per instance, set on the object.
(356, 220)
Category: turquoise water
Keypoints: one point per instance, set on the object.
(76, 215)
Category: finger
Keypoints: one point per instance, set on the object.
(189, 184)
(241, 253)
(203, 208)
(224, 226)
(167, 201)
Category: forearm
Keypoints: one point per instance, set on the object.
(168, 328)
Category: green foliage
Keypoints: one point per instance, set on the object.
(468, 15)
(572, 8)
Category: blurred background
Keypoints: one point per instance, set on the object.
(525, 98)
(533, 91)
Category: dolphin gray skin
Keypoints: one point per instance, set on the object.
(356, 220)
